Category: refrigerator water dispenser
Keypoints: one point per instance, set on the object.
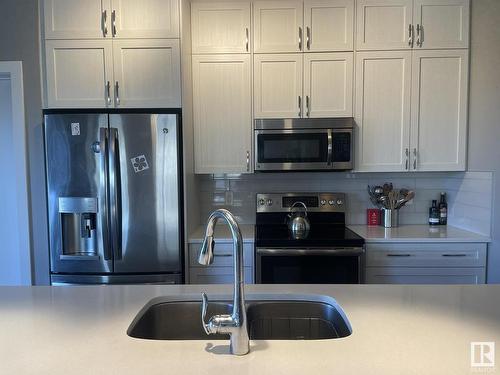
(78, 227)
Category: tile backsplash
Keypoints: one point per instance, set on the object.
(469, 194)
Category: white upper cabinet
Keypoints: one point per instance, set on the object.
(328, 79)
(222, 27)
(384, 24)
(222, 113)
(278, 86)
(382, 115)
(147, 73)
(441, 23)
(328, 25)
(79, 75)
(278, 26)
(145, 18)
(439, 110)
(77, 19)
(95, 19)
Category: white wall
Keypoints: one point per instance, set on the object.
(469, 194)
(484, 110)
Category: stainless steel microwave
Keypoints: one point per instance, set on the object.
(304, 144)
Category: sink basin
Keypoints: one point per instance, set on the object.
(268, 319)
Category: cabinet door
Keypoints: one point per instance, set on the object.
(79, 73)
(382, 112)
(145, 18)
(329, 25)
(220, 27)
(328, 79)
(278, 86)
(409, 275)
(147, 73)
(217, 275)
(222, 113)
(277, 26)
(439, 110)
(77, 19)
(442, 23)
(384, 24)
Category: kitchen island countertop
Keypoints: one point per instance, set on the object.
(396, 330)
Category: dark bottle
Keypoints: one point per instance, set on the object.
(434, 213)
(443, 210)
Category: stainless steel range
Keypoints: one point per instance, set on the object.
(317, 248)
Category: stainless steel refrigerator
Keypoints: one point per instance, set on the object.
(114, 197)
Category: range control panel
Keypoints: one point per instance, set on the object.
(315, 202)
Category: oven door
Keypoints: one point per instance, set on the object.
(293, 149)
(309, 266)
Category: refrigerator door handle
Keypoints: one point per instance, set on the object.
(103, 190)
(115, 193)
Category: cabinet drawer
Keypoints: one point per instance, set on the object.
(217, 275)
(223, 255)
(426, 255)
(410, 275)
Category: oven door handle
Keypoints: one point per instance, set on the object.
(339, 251)
(330, 148)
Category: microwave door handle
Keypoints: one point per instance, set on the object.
(115, 193)
(330, 148)
(103, 201)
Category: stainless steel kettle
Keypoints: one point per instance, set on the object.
(298, 223)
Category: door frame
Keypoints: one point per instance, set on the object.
(13, 71)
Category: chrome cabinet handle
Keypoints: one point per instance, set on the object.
(407, 154)
(247, 39)
(398, 255)
(419, 31)
(307, 106)
(300, 106)
(113, 22)
(410, 35)
(300, 38)
(308, 37)
(117, 93)
(248, 161)
(108, 93)
(104, 22)
(414, 158)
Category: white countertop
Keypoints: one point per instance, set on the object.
(223, 233)
(416, 233)
(396, 330)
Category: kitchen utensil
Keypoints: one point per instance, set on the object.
(407, 198)
(389, 218)
(298, 223)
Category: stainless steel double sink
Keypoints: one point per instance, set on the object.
(270, 317)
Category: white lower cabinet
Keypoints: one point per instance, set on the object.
(401, 275)
(221, 271)
(426, 263)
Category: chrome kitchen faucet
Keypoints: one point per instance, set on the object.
(235, 324)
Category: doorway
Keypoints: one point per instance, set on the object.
(15, 264)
